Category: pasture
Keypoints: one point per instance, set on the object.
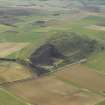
(7, 98)
(97, 62)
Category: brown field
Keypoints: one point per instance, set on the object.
(6, 48)
(12, 72)
(52, 91)
(83, 77)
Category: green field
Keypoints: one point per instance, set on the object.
(101, 103)
(7, 98)
(97, 62)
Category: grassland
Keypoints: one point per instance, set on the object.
(7, 98)
(97, 62)
(4, 28)
(101, 103)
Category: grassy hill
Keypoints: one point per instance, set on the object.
(75, 33)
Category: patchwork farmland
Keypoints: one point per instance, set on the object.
(50, 90)
(52, 52)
